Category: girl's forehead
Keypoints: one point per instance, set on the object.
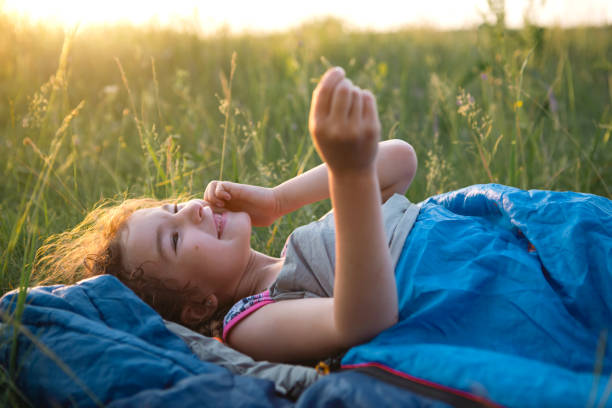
(139, 220)
(137, 237)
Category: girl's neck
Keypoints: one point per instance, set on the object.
(260, 273)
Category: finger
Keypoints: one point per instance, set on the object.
(238, 191)
(222, 192)
(209, 197)
(216, 197)
(370, 111)
(321, 98)
(341, 99)
(357, 105)
(209, 192)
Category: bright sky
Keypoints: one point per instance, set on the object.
(271, 15)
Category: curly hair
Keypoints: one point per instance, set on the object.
(92, 248)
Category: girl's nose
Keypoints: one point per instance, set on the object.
(193, 211)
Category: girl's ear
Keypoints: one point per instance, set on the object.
(194, 313)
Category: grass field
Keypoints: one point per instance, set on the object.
(125, 112)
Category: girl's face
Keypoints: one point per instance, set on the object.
(188, 243)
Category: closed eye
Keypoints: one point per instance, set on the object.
(175, 238)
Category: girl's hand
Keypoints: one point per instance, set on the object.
(259, 202)
(344, 124)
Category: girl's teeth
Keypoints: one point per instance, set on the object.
(218, 221)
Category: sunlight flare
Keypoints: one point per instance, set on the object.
(274, 15)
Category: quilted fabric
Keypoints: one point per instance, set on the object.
(504, 293)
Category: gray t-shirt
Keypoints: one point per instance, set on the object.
(310, 256)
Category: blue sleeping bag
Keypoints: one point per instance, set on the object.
(506, 294)
(113, 350)
(97, 344)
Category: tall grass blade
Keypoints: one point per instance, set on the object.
(227, 90)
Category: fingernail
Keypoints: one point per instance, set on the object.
(340, 70)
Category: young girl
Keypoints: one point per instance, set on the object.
(489, 286)
(192, 261)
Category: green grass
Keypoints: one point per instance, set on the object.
(123, 112)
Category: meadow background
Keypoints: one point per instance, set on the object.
(118, 112)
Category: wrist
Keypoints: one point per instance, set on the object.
(354, 185)
(354, 174)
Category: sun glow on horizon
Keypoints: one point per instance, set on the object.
(273, 15)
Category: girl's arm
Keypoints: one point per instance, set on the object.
(396, 166)
(345, 129)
